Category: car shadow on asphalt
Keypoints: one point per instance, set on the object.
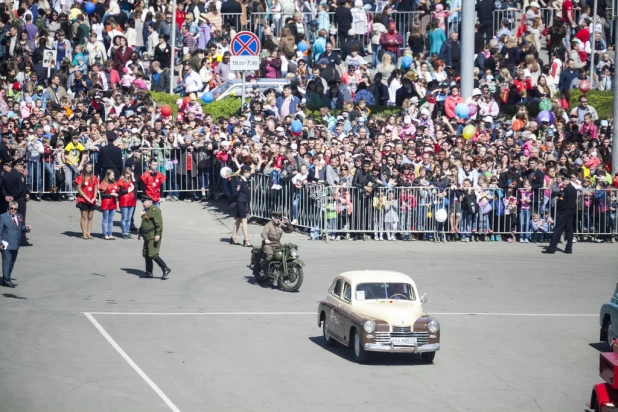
(375, 358)
(600, 346)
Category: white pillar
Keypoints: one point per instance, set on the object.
(466, 37)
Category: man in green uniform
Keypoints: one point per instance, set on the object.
(151, 230)
(271, 238)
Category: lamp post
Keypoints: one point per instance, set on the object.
(173, 48)
(467, 47)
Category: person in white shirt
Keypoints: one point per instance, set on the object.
(96, 51)
(192, 81)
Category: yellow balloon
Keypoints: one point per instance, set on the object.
(468, 131)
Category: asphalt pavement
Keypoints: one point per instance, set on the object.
(82, 331)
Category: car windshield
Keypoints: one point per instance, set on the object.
(397, 291)
(221, 88)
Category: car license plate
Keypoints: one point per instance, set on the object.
(404, 341)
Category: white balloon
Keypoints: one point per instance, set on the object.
(225, 172)
(441, 215)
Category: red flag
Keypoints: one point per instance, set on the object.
(522, 26)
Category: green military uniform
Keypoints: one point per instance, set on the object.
(273, 233)
(152, 226)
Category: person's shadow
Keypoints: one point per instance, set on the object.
(12, 296)
(134, 272)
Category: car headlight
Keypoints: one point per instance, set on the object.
(293, 253)
(433, 326)
(369, 326)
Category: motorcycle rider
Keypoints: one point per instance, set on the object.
(271, 239)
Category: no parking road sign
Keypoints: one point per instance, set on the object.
(245, 48)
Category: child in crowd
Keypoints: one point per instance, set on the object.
(469, 207)
(379, 204)
(391, 217)
(539, 228)
(525, 196)
(483, 197)
(277, 167)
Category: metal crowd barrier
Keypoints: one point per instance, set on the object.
(514, 17)
(58, 178)
(404, 20)
(409, 213)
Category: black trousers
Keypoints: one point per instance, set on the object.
(564, 223)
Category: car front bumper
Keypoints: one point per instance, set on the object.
(379, 347)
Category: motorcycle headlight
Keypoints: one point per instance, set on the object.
(293, 253)
(433, 326)
(369, 326)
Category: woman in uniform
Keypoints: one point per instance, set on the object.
(242, 198)
(127, 201)
(87, 184)
(109, 200)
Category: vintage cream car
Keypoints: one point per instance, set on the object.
(378, 311)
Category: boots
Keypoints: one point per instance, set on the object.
(148, 273)
(163, 266)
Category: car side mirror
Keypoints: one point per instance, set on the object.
(424, 298)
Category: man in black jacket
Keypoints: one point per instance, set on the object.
(537, 179)
(14, 190)
(485, 14)
(348, 46)
(160, 78)
(363, 182)
(110, 157)
(343, 17)
(566, 204)
(406, 91)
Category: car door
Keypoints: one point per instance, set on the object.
(345, 308)
(334, 315)
(613, 314)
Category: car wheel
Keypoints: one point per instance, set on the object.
(327, 338)
(609, 334)
(360, 355)
(428, 356)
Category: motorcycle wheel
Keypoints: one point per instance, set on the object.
(257, 273)
(293, 280)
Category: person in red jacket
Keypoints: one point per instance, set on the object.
(87, 184)
(151, 182)
(110, 191)
(451, 101)
(127, 201)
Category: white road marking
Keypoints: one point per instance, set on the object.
(558, 315)
(126, 357)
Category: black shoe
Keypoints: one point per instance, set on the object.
(549, 252)
(26, 243)
(166, 272)
(146, 275)
(568, 252)
(8, 284)
(133, 229)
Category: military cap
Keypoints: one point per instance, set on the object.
(276, 214)
(18, 162)
(146, 198)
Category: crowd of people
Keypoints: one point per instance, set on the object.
(369, 109)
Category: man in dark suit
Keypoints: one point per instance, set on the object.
(110, 158)
(566, 204)
(11, 229)
(14, 190)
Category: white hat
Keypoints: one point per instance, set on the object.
(352, 32)
(535, 4)
(414, 100)
(407, 120)
(527, 73)
(488, 119)
(424, 112)
(476, 92)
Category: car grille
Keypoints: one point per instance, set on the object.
(422, 338)
(402, 329)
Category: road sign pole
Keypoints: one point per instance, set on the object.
(615, 120)
(173, 48)
(244, 79)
